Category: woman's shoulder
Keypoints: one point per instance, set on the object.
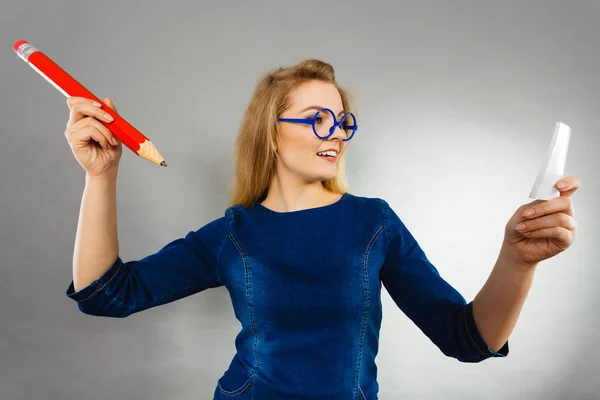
(364, 199)
(377, 208)
(370, 202)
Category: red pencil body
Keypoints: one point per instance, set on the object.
(69, 86)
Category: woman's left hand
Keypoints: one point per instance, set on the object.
(547, 232)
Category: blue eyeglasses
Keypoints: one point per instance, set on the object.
(324, 123)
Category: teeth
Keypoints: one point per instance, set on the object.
(331, 153)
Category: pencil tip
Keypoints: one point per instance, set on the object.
(164, 163)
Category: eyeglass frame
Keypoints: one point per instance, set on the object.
(336, 124)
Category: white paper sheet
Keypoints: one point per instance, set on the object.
(553, 167)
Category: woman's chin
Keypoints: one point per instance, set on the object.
(327, 177)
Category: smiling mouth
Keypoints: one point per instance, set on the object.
(330, 155)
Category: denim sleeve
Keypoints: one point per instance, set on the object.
(181, 268)
(417, 288)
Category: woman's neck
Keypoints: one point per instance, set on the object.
(285, 197)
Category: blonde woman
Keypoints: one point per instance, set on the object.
(302, 258)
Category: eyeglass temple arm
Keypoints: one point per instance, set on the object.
(300, 121)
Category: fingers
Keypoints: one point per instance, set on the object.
(81, 107)
(562, 235)
(548, 222)
(88, 128)
(84, 135)
(109, 103)
(557, 204)
(572, 183)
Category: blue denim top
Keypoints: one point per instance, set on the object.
(306, 289)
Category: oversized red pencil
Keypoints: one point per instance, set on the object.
(67, 85)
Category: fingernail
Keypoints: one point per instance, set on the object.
(96, 104)
(562, 185)
(108, 117)
(520, 227)
(528, 212)
(114, 141)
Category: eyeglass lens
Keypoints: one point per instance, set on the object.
(325, 120)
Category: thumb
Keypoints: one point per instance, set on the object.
(109, 103)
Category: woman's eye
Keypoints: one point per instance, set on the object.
(319, 119)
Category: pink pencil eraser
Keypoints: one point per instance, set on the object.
(18, 44)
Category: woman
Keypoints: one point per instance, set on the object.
(302, 259)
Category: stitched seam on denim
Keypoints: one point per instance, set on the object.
(106, 283)
(223, 245)
(362, 394)
(236, 244)
(156, 300)
(469, 333)
(383, 223)
(234, 393)
(114, 298)
(367, 305)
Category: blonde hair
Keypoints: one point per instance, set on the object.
(255, 156)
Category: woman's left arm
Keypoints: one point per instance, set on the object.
(528, 239)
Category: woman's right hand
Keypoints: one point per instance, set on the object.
(93, 144)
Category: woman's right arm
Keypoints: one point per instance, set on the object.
(185, 266)
(104, 285)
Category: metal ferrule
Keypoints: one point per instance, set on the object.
(25, 50)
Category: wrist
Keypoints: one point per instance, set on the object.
(507, 259)
(104, 177)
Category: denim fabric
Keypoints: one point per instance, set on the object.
(306, 288)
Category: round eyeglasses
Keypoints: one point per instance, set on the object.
(324, 123)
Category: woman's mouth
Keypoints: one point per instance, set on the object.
(329, 155)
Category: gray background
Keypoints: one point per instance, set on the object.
(457, 105)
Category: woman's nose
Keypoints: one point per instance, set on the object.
(338, 133)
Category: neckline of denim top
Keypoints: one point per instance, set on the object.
(305, 211)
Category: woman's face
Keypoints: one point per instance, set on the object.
(297, 145)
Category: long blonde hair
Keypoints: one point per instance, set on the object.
(255, 156)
